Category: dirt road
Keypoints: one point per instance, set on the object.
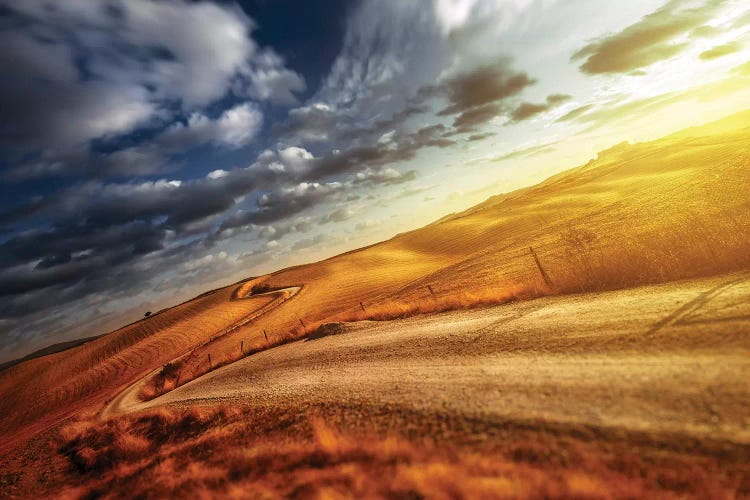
(666, 358)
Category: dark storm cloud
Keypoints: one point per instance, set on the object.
(395, 149)
(114, 262)
(351, 159)
(471, 119)
(143, 159)
(283, 203)
(177, 203)
(527, 110)
(276, 206)
(431, 135)
(480, 87)
(474, 97)
(319, 122)
(98, 230)
(654, 38)
(72, 263)
(480, 137)
(64, 244)
(397, 119)
(280, 229)
(26, 209)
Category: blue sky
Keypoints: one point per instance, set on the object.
(150, 150)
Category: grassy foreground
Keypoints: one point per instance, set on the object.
(239, 452)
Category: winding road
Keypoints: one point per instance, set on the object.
(665, 358)
(128, 398)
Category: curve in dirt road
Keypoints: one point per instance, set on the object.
(128, 398)
(591, 359)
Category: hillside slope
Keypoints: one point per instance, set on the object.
(669, 209)
(645, 213)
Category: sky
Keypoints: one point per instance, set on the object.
(150, 150)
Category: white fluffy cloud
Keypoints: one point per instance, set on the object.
(201, 45)
(296, 159)
(235, 128)
(269, 80)
(386, 175)
(209, 42)
(98, 69)
(312, 123)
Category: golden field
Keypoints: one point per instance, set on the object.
(666, 210)
(671, 209)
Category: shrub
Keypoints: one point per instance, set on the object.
(260, 288)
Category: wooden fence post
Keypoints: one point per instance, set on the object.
(544, 274)
(209, 360)
(242, 347)
(265, 334)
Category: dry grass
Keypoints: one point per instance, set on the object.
(228, 452)
(462, 299)
(175, 374)
(93, 446)
(691, 247)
